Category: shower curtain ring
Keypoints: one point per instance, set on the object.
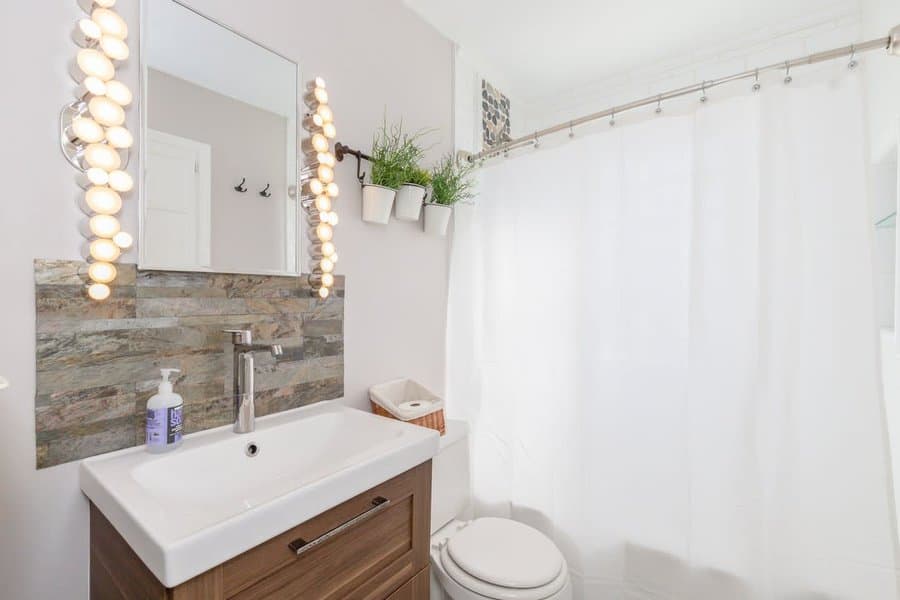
(536, 144)
(756, 84)
(659, 104)
(571, 131)
(703, 97)
(852, 64)
(612, 119)
(787, 72)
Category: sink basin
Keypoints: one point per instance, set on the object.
(223, 493)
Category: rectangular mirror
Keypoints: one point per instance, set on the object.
(219, 148)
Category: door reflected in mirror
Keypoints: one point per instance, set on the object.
(220, 158)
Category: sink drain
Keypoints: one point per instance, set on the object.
(251, 450)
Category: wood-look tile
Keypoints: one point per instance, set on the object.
(98, 362)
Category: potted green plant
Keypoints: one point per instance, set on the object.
(389, 166)
(411, 194)
(451, 182)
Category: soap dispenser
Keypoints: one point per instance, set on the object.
(164, 421)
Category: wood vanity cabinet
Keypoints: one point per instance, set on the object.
(371, 547)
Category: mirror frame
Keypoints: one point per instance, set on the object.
(299, 236)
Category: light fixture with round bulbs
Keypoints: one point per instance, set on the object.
(322, 188)
(93, 132)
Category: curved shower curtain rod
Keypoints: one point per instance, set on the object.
(891, 43)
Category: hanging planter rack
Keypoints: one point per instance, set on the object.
(341, 150)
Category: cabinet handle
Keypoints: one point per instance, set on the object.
(299, 546)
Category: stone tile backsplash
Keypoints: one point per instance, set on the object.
(98, 362)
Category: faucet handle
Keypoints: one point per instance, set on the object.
(240, 336)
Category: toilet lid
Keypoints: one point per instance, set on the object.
(505, 553)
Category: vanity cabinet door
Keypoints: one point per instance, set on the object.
(416, 588)
(366, 548)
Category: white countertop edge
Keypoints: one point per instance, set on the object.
(196, 554)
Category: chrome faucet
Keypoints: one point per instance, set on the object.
(244, 407)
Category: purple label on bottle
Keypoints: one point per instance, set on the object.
(164, 426)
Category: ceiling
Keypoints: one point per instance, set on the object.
(538, 47)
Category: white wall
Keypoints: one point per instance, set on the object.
(373, 54)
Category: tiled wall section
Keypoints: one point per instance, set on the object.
(98, 362)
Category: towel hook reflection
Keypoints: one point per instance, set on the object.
(241, 187)
(265, 193)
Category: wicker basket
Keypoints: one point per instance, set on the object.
(408, 401)
(433, 420)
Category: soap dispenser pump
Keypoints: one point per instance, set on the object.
(164, 420)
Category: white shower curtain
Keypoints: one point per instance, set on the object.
(663, 337)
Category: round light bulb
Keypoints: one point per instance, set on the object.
(332, 189)
(105, 3)
(334, 258)
(93, 85)
(105, 111)
(110, 23)
(327, 279)
(123, 240)
(326, 265)
(87, 130)
(94, 63)
(89, 29)
(114, 47)
(325, 158)
(320, 94)
(329, 130)
(97, 176)
(324, 232)
(325, 174)
(323, 293)
(319, 82)
(104, 250)
(104, 226)
(121, 181)
(333, 218)
(328, 249)
(118, 92)
(102, 200)
(316, 187)
(325, 112)
(102, 272)
(119, 137)
(323, 203)
(102, 156)
(98, 291)
(319, 142)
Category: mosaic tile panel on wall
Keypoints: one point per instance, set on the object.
(494, 115)
(98, 362)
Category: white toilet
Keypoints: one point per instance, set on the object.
(489, 558)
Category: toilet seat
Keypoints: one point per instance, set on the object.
(503, 559)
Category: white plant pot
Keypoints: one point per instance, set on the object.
(410, 197)
(437, 217)
(377, 203)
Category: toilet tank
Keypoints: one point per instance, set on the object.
(450, 485)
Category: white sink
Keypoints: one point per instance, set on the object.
(191, 509)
